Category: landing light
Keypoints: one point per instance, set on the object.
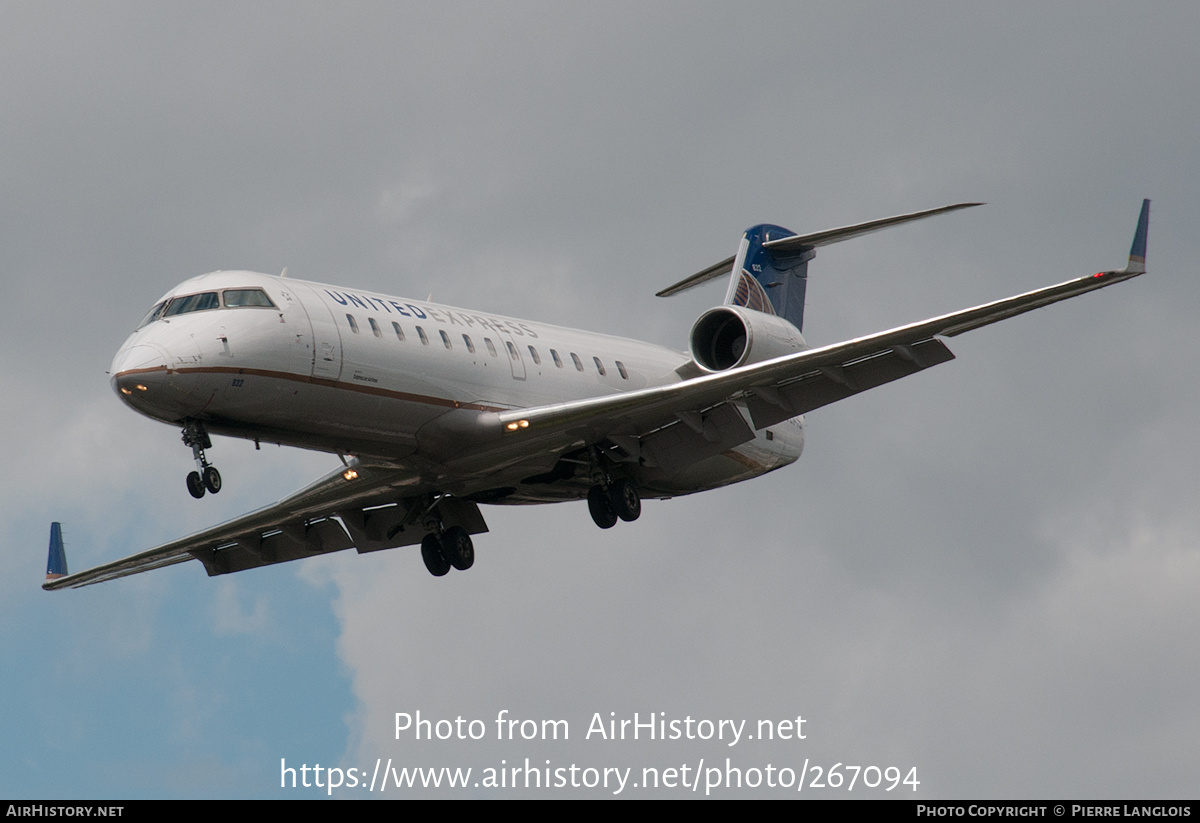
(125, 391)
(517, 424)
(140, 387)
(350, 474)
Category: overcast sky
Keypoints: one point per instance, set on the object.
(989, 571)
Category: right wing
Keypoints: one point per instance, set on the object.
(787, 386)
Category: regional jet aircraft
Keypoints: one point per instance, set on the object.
(436, 410)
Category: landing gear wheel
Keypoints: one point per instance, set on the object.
(457, 548)
(626, 501)
(212, 479)
(601, 507)
(205, 476)
(431, 553)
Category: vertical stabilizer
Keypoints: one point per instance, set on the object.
(56, 564)
(769, 280)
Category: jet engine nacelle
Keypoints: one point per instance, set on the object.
(726, 337)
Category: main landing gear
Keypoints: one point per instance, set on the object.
(452, 547)
(206, 477)
(620, 499)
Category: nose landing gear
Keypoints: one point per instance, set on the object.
(206, 477)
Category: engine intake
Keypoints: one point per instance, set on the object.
(726, 337)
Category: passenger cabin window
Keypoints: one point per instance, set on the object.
(375, 327)
(621, 369)
(512, 350)
(399, 331)
(445, 338)
(353, 323)
(491, 348)
(470, 345)
(238, 298)
(557, 359)
(537, 358)
(421, 334)
(192, 302)
(599, 365)
(578, 363)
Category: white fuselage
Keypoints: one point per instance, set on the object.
(390, 380)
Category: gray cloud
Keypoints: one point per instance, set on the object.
(985, 571)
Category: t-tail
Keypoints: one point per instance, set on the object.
(56, 564)
(769, 273)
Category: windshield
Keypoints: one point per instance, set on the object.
(192, 302)
(153, 314)
(230, 298)
(236, 298)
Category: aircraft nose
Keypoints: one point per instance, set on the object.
(139, 373)
(138, 358)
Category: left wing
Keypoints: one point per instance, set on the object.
(363, 498)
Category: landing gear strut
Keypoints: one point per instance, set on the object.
(206, 477)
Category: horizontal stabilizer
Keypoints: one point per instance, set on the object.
(799, 243)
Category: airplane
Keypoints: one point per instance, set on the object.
(436, 410)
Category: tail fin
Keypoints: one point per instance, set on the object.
(770, 270)
(56, 564)
(770, 281)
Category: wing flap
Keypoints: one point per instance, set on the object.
(697, 436)
(774, 405)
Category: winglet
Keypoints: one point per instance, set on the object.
(1137, 252)
(56, 564)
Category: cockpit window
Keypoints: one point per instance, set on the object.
(236, 298)
(191, 303)
(153, 314)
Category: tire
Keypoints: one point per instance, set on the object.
(601, 507)
(212, 479)
(195, 485)
(458, 549)
(431, 553)
(626, 501)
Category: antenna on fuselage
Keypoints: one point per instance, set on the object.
(284, 272)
